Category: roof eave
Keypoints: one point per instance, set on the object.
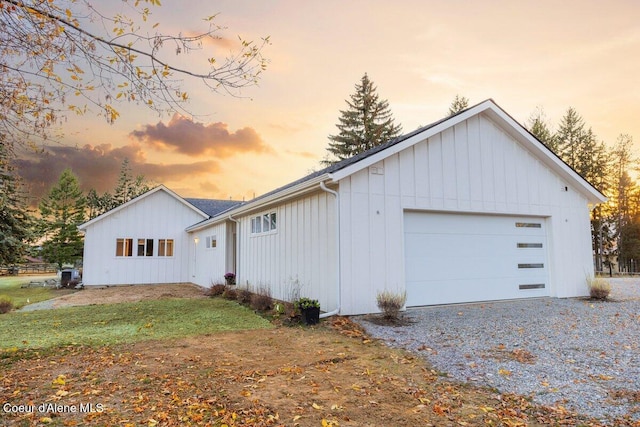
(264, 203)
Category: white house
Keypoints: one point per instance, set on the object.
(470, 208)
(144, 240)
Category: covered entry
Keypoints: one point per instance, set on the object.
(455, 258)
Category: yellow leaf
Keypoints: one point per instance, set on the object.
(60, 380)
(297, 417)
(504, 372)
(62, 393)
(152, 422)
(316, 406)
(68, 12)
(46, 420)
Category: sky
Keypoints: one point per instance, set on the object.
(524, 55)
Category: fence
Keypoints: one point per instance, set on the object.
(33, 268)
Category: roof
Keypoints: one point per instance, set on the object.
(213, 207)
(346, 167)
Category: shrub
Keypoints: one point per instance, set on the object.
(304, 302)
(6, 305)
(391, 303)
(598, 288)
(230, 293)
(244, 296)
(262, 301)
(216, 289)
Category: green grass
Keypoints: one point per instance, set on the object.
(121, 323)
(10, 287)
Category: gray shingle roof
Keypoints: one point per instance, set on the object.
(213, 207)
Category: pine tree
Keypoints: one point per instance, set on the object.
(62, 210)
(540, 129)
(128, 187)
(458, 104)
(569, 137)
(14, 216)
(366, 123)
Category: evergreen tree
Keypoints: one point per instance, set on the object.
(458, 104)
(569, 137)
(62, 210)
(14, 216)
(540, 129)
(128, 187)
(366, 123)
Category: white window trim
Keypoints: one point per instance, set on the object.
(260, 219)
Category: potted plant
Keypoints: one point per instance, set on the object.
(310, 310)
(230, 278)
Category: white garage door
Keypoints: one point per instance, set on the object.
(454, 258)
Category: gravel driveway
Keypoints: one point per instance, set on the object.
(581, 354)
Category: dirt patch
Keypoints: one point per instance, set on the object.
(329, 375)
(131, 293)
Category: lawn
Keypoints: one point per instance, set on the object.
(126, 322)
(10, 286)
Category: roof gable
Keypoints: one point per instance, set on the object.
(498, 116)
(159, 188)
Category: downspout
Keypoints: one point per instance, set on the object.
(237, 245)
(339, 284)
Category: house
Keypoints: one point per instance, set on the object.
(144, 240)
(469, 208)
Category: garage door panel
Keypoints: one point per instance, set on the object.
(452, 258)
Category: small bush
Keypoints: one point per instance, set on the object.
(262, 301)
(230, 294)
(216, 289)
(244, 296)
(598, 288)
(6, 305)
(391, 303)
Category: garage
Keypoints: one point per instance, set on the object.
(457, 258)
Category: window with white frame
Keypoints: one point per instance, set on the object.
(211, 242)
(124, 247)
(165, 247)
(264, 223)
(145, 247)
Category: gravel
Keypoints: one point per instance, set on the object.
(581, 354)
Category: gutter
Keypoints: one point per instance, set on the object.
(339, 283)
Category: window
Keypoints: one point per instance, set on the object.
(211, 242)
(145, 247)
(264, 223)
(528, 225)
(531, 286)
(532, 265)
(165, 247)
(529, 245)
(124, 247)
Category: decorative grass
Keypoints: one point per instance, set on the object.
(127, 322)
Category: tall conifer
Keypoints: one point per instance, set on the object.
(366, 123)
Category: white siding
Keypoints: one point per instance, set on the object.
(472, 167)
(208, 266)
(157, 216)
(299, 255)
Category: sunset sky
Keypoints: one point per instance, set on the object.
(420, 54)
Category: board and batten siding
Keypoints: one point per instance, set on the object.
(158, 216)
(299, 257)
(474, 166)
